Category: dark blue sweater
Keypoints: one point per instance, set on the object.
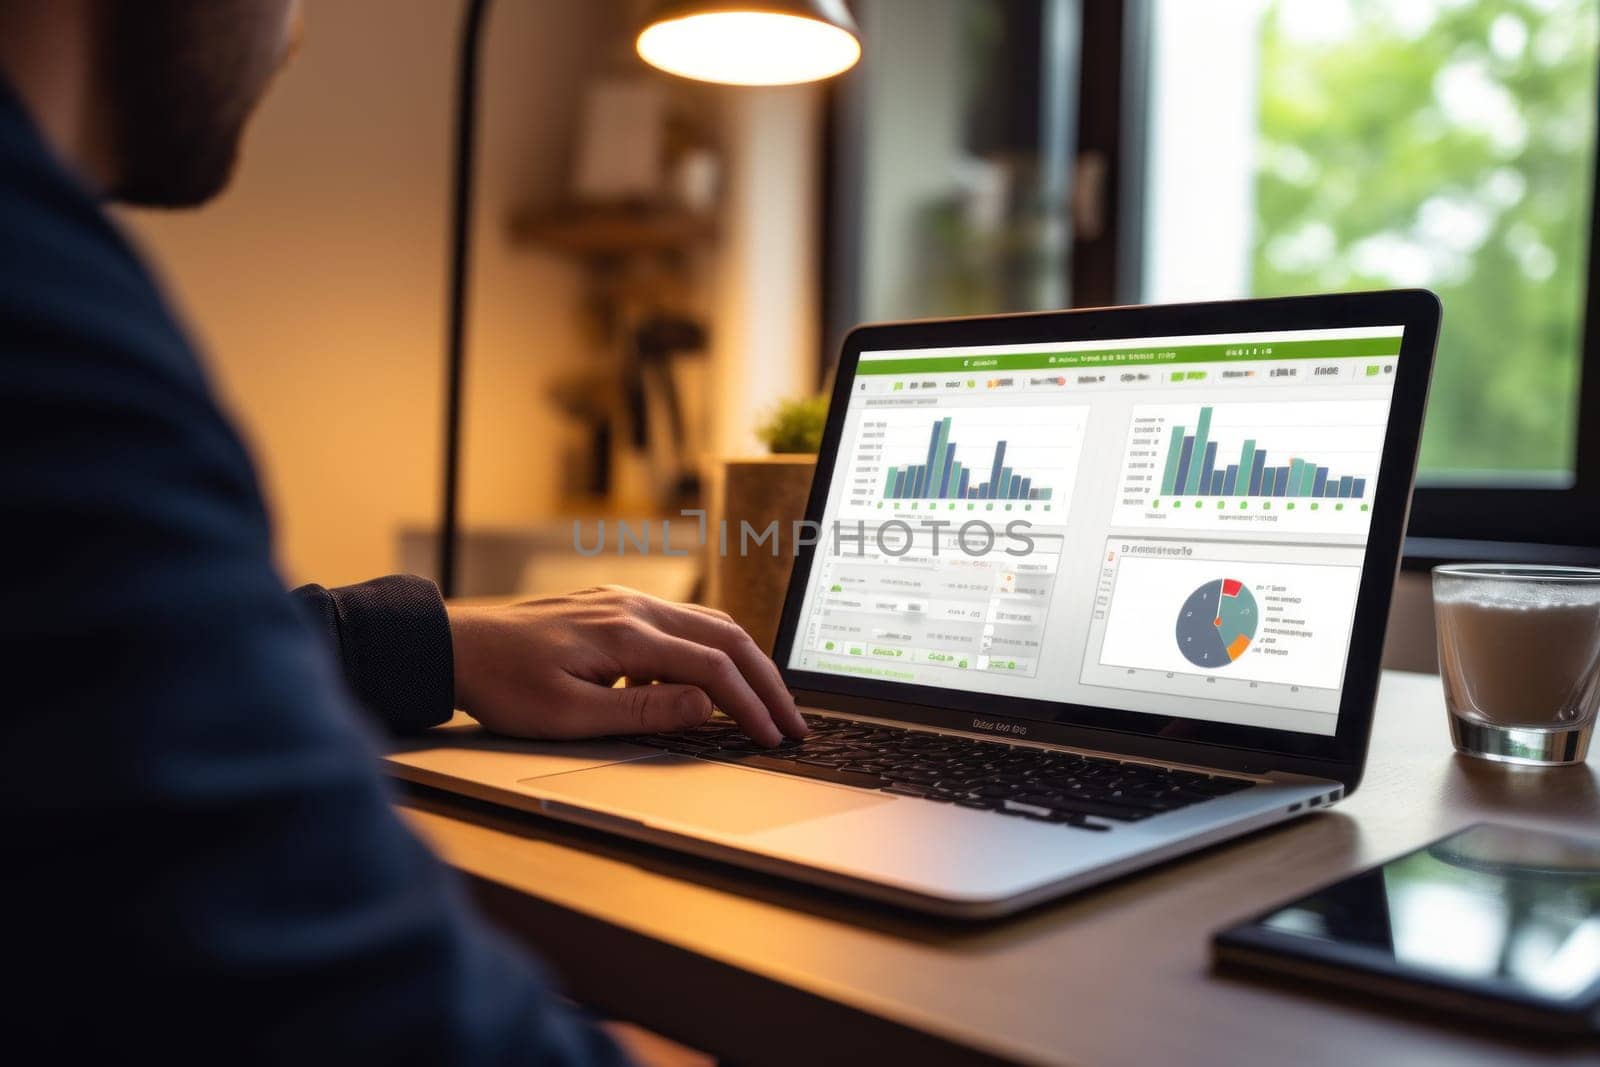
(199, 854)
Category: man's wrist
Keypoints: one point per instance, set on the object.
(466, 628)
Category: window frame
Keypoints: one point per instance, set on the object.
(1493, 518)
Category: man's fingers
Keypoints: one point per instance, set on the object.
(715, 613)
(718, 631)
(661, 709)
(590, 709)
(651, 653)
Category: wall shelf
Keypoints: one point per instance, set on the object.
(612, 232)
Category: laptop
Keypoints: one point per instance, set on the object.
(1077, 592)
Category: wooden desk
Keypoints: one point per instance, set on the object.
(759, 970)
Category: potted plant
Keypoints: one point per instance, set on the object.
(750, 578)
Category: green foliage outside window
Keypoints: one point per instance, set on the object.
(1451, 151)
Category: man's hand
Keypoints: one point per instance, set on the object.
(546, 668)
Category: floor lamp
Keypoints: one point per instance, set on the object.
(731, 42)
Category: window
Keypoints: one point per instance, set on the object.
(959, 171)
(1303, 145)
(1259, 147)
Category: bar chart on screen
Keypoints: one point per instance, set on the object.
(967, 463)
(1305, 467)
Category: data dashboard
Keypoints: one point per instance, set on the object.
(1168, 525)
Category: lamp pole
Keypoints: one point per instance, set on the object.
(456, 303)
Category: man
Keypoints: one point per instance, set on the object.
(201, 858)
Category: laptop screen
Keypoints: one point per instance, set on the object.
(1169, 525)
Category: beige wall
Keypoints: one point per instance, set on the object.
(767, 306)
(316, 283)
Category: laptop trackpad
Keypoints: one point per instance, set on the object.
(677, 792)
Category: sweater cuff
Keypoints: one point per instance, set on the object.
(394, 641)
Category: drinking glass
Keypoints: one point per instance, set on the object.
(1519, 653)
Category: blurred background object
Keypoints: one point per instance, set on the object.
(758, 495)
(795, 425)
(618, 184)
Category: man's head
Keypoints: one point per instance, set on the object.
(178, 79)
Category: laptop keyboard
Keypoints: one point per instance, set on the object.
(1086, 792)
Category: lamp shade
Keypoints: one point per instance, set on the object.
(751, 42)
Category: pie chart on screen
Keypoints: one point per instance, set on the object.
(1217, 623)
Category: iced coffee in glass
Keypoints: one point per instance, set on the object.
(1519, 653)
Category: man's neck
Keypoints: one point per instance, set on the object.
(47, 53)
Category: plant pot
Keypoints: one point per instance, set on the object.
(749, 580)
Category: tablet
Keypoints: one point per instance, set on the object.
(1499, 921)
